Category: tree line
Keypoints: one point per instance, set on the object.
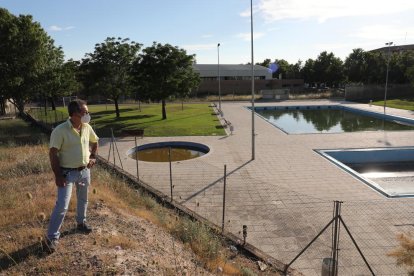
(32, 68)
(360, 67)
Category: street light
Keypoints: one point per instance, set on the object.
(218, 69)
(386, 78)
(252, 64)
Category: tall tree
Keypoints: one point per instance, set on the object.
(355, 66)
(328, 69)
(376, 68)
(24, 51)
(308, 71)
(51, 80)
(109, 68)
(164, 71)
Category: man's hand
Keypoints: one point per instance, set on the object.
(54, 162)
(92, 162)
(60, 181)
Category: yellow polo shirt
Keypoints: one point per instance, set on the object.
(73, 148)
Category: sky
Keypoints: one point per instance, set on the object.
(283, 29)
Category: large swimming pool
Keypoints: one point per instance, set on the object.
(330, 119)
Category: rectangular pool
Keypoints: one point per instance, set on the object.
(389, 171)
(330, 119)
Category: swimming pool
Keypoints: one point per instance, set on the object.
(389, 171)
(330, 119)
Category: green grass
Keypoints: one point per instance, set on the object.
(17, 132)
(193, 120)
(50, 116)
(404, 103)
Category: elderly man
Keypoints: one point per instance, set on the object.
(73, 146)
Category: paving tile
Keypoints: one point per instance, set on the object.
(286, 194)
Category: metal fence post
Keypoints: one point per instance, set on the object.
(117, 151)
(171, 184)
(136, 156)
(224, 198)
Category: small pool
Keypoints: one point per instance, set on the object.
(330, 119)
(160, 152)
(389, 171)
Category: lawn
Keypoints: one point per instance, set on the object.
(192, 120)
(404, 103)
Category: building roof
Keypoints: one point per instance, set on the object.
(397, 48)
(233, 70)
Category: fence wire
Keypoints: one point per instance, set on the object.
(282, 222)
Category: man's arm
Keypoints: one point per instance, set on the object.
(54, 162)
(92, 157)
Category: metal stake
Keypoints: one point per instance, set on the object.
(136, 156)
(224, 198)
(244, 234)
(171, 184)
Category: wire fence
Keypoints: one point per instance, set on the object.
(273, 217)
(278, 220)
(47, 116)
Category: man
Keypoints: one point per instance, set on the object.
(72, 151)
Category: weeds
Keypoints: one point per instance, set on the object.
(27, 196)
(404, 254)
(200, 238)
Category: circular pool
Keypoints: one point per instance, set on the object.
(164, 151)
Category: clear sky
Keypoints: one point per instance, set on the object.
(283, 29)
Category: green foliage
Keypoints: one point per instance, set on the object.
(164, 71)
(25, 56)
(195, 119)
(328, 69)
(199, 237)
(16, 132)
(107, 70)
(402, 103)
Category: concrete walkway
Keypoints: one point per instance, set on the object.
(285, 196)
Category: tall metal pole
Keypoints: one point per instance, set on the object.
(252, 63)
(386, 77)
(219, 78)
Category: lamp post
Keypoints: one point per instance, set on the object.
(218, 73)
(386, 77)
(252, 64)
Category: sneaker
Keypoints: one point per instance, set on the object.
(52, 245)
(84, 228)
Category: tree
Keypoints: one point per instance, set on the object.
(50, 80)
(399, 64)
(308, 72)
(24, 55)
(284, 69)
(108, 69)
(265, 63)
(410, 74)
(328, 69)
(296, 70)
(376, 68)
(185, 85)
(163, 71)
(355, 66)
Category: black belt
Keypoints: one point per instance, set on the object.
(74, 169)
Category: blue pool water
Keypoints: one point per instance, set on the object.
(330, 119)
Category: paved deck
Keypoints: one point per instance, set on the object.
(285, 196)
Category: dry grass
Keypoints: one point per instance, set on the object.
(292, 96)
(27, 196)
(404, 254)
